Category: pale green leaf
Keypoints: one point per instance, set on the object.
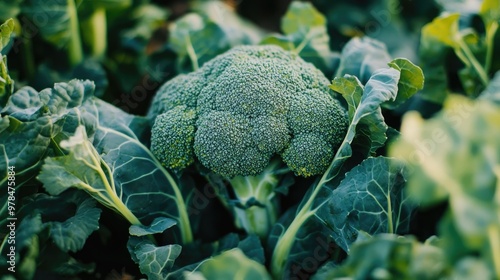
(361, 57)
(6, 30)
(232, 264)
(443, 29)
(387, 256)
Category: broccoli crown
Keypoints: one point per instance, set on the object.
(242, 108)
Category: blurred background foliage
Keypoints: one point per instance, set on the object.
(129, 48)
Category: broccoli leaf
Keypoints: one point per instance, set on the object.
(121, 176)
(6, 83)
(34, 124)
(381, 88)
(195, 254)
(57, 22)
(6, 30)
(361, 57)
(229, 265)
(411, 81)
(305, 33)
(388, 256)
(435, 151)
(68, 233)
(46, 235)
(370, 198)
(192, 37)
(154, 261)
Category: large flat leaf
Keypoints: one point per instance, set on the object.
(305, 33)
(120, 173)
(154, 261)
(361, 57)
(370, 198)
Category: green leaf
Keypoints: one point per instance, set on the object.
(365, 112)
(443, 29)
(24, 146)
(121, 174)
(136, 127)
(6, 30)
(50, 228)
(237, 30)
(490, 11)
(57, 22)
(232, 264)
(6, 83)
(158, 225)
(353, 89)
(361, 57)
(410, 81)
(35, 122)
(301, 17)
(195, 254)
(435, 151)
(370, 198)
(195, 38)
(388, 256)
(68, 233)
(154, 261)
(305, 33)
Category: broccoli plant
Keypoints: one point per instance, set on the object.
(245, 116)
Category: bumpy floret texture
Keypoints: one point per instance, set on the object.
(244, 107)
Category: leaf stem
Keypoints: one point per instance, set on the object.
(474, 62)
(494, 237)
(192, 54)
(490, 43)
(184, 223)
(110, 188)
(75, 51)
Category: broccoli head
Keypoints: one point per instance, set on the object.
(244, 107)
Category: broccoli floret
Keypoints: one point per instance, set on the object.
(251, 103)
(180, 123)
(241, 111)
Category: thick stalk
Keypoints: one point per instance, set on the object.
(75, 52)
(257, 208)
